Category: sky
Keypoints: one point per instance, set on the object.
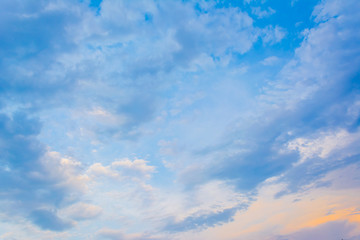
(180, 120)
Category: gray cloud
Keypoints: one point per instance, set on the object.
(48, 220)
(31, 177)
(202, 221)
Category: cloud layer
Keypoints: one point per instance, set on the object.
(179, 120)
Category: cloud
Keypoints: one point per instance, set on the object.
(170, 211)
(33, 177)
(208, 205)
(249, 1)
(270, 61)
(137, 165)
(296, 104)
(331, 230)
(88, 41)
(201, 221)
(82, 211)
(257, 11)
(268, 217)
(312, 94)
(36, 44)
(249, 153)
(120, 235)
(178, 43)
(133, 84)
(272, 35)
(137, 168)
(48, 220)
(112, 234)
(332, 146)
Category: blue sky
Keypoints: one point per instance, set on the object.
(128, 120)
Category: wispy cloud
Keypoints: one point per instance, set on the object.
(257, 11)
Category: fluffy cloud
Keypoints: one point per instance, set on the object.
(331, 146)
(137, 168)
(273, 34)
(48, 220)
(35, 180)
(257, 11)
(270, 61)
(82, 211)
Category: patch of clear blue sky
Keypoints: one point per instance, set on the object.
(95, 3)
(293, 18)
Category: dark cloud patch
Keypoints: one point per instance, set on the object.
(19, 148)
(48, 220)
(202, 221)
(29, 178)
(310, 172)
(35, 36)
(35, 31)
(138, 110)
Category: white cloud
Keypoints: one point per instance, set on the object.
(81, 211)
(138, 165)
(257, 11)
(324, 59)
(326, 10)
(250, 1)
(270, 61)
(211, 197)
(269, 217)
(334, 145)
(64, 172)
(125, 168)
(97, 169)
(273, 34)
(175, 42)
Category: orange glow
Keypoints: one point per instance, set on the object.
(344, 214)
